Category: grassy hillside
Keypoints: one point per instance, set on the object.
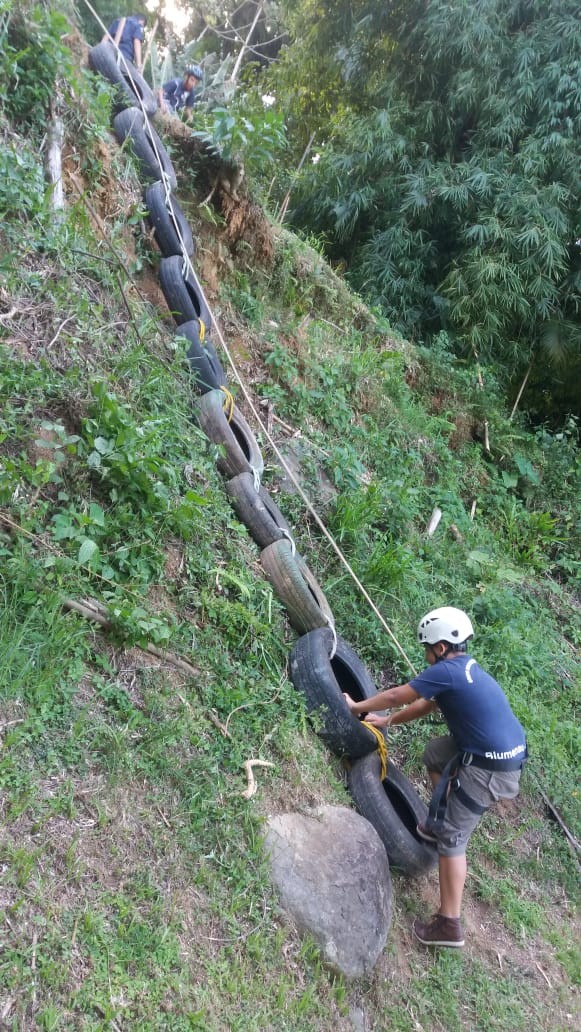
(134, 892)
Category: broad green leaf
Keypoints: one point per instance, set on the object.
(96, 514)
(87, 551)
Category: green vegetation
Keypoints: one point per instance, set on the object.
(448, 179)
(242, 135)
(134, 887)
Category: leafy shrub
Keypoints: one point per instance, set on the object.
(249, 136)
(22, 186)
(32, 62)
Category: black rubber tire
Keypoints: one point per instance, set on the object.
(183, 292)
(257, 510)
(131, 84)
(148, 149)
(295, 586)
(323, 680)
(168, 222)
(394, 808)
(205, 366)
(239, 451)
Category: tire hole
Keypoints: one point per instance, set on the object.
(313, 593)
(133, 86)
(346, 680)
(271, 513)
(194, 298)
(241, 439)
(401, 807)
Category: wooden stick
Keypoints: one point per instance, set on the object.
(95, 611)
(287, 197)
(170, 657)
(265, 403)
(575, 845)
(33, 967)
(86, 611)
(246, 44)
(543, 974)
(252, 786)
(163, 817)
(210, 715)
(521, 390)
(61, 327)
(91, 612)
(147, 47)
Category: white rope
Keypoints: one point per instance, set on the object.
(188, 265)
(286, 534)
(304, 497)
(331, 626)
(256, 477)
(167, 190)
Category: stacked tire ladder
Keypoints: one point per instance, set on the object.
(322, 665)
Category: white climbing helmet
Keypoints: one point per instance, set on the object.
(445, 624)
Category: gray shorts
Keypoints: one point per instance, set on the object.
(484, 786)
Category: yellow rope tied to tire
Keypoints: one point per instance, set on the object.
(228, 405)
(381, 747)
(202, 330)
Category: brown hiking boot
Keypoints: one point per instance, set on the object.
(440, 931)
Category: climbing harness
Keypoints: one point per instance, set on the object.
(450, 782)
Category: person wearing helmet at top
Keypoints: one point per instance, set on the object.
(179, 94)
(479, 762)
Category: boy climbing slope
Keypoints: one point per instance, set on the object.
(479, 762)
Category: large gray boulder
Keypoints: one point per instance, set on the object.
(331, 872)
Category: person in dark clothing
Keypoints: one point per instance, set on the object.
(179, 94)
(470, 769)
(128, 33)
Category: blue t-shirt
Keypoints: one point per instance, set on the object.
(474, 707)
(133, 29)
(176, 96)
